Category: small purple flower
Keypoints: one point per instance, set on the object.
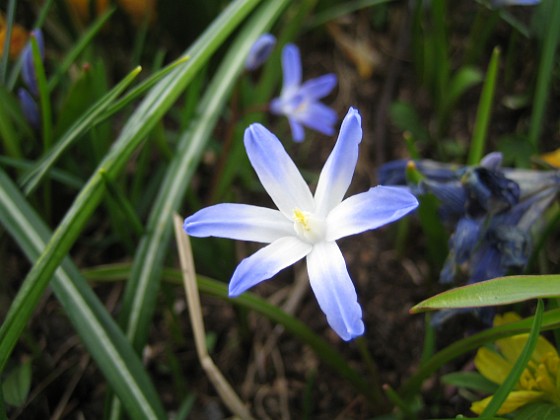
(28, 68)
(300, 102)
(305, 225)
(260, 51)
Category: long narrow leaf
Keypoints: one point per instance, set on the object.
(102, 337)
(499, 291)
(546, 68)
(515, 373)
(484, 110)
(150, 111)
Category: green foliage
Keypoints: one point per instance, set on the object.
(542, 411)
(132, 131)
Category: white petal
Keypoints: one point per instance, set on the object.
(266, 262)
(334, 290)
(276, 171)
(369, 210)
(239, 221)
(337, 173)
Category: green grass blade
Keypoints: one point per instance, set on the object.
(484, 110)
(149, 112)
(31, 180)
(499, 291)
(139, 90)
(546, 67)
(139, 300)
(102, 337)
(513, 377)
(58, 175)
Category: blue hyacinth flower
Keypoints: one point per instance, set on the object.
(305, 225)
(300, 102)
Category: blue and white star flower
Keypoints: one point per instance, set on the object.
(300, 102)
(305, 225)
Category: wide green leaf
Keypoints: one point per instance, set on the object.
(499, 291)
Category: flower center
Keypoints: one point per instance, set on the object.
(542, 377)
(308, 227)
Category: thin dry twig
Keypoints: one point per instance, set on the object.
(224, 389)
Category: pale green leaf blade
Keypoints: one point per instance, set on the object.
(499, 291)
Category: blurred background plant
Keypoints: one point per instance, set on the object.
(116, 114)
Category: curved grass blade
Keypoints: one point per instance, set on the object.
(484, 110)
(31, 180)
(102, 337)
(140, 89)
(546, 70)
(149, 112)
(499, 291)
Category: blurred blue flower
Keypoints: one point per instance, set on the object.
(28, 69)
(260, 51)
(305, 225)
(29, 108)
(300, 102)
